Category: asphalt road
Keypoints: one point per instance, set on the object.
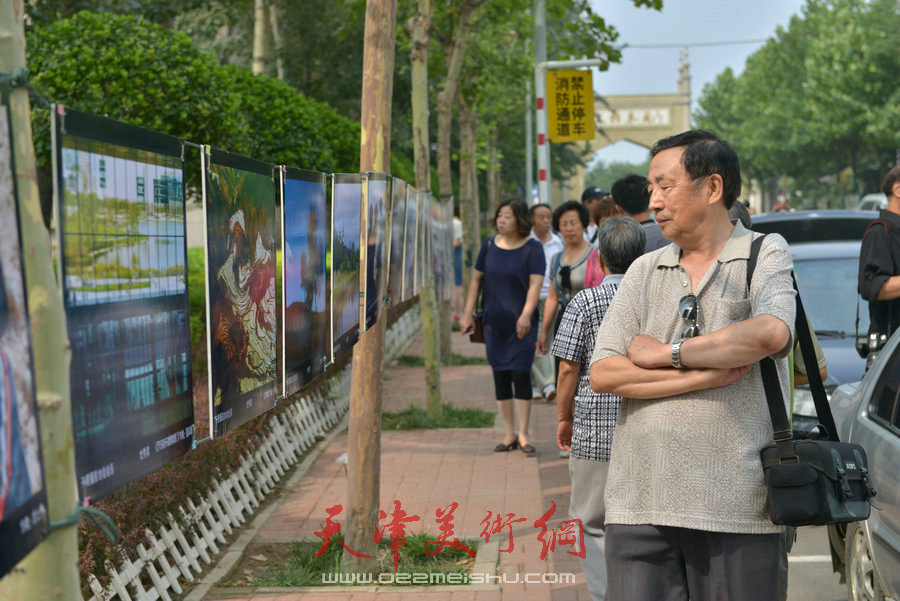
(809, 568)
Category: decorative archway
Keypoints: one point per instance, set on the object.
(638, 118)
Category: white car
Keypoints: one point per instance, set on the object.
(872, 202)
(868, 413)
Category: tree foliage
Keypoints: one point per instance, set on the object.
(604, 174)
(819, 97)
(135, 71)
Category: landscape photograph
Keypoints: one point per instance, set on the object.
(122, 222)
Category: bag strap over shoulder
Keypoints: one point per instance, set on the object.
(823, 409)
(876, 222)
(488, 242)
(771, 383)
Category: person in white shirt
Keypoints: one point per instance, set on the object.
(456, 300)
(543, 370)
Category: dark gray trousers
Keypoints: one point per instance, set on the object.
(662, 563)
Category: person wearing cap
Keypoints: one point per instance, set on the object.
(632, 194)
(589, 198)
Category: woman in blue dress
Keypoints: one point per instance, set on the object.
(510, 267)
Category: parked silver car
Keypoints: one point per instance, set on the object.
(867, 553)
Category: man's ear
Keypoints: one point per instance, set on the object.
(716, 188)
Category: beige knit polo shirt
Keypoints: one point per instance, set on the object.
(692, 460)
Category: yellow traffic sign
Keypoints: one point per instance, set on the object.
(570, 105)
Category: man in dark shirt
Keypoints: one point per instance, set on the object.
(879, 262)
(632, 194)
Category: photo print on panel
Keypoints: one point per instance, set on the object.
(426, 262)
(306, 314)
(398, 223)
(124, 274)
(437, 258)
(23, 496)
(413, 223)
(346, 207)
(242, 320)
(377, 200)
(447, 248)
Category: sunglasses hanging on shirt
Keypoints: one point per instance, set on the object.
(689, 309)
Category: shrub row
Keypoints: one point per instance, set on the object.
(132, 70)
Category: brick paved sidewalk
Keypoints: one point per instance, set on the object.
(427, 470)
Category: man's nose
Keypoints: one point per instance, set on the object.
(655, 200)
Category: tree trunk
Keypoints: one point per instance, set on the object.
(493, 171)
(447, 95)
(445, 117)
(468, 186)
(364, 434)
(277, 38)
(51, 570)
(260, 64)
(418, 27)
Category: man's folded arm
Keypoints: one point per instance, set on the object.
(618, 375)
(741, 343)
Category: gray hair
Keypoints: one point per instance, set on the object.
(621, 241)
(739, 212)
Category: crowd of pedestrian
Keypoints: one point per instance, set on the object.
(640, 320)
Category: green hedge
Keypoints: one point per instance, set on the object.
(135, 71)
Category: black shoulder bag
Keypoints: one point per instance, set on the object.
(810, 482)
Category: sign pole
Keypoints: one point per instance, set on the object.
(529, 159)
(543, 142)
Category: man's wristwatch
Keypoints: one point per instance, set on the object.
(676, 354)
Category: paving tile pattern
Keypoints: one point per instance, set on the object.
(428, 470)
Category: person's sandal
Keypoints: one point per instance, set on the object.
(503, 448)
(528, 449)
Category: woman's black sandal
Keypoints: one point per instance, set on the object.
(503, 448)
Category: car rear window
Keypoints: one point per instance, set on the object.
(815, 230)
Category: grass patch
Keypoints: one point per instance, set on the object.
(417, 418)
(456, 360)
(300, 568)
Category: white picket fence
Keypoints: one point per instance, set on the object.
(179, 548)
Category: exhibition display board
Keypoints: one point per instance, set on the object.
(307, 340)
(124, 279)
(24, 521)
(377, 199)
(242, 320)
(396, 245)
(346, 261)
